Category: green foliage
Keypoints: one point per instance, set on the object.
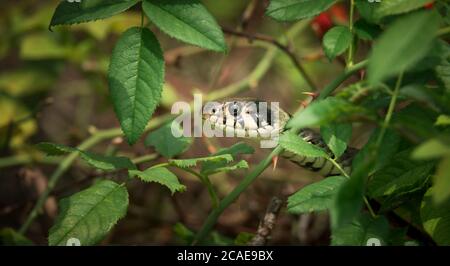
(389, 58)
(187, 163)
(107, 163)
(441, 181)
(366, 31)
(387, 149)
(214, 166)
(336, 41)
(160, 175)
(325, 111)
(209, 170)
(392, 169)
(348, 200)
(394, 7)
(88, 10)
(399, 177)
(10, 237)
(437, 148)
(187, 21)
(136, 92)
(436, 218)
(166, 143)
(360, 230)
(289, 10)
(89, 214)
(293, 143)
(315, 197)
(336, 136)
(431, 149)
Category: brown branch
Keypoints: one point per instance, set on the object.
(267, 224)
(279, 45)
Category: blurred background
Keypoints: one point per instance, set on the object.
(53, 88)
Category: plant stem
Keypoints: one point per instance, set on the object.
(145, 158)
(338, 167)
(366, 201)
(351, 48)
(21, 159)
(230, 198)
(390, 111)
(341, 78)
(372, 213)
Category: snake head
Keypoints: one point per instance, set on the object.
(250, 117)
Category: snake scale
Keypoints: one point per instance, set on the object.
(247, 118)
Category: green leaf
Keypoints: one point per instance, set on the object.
(289, 10)
(315, 197)
(107, 163)
(443, 68)
(442, 120)
(213, 170)
(366, 31)
(367, 10)
(348, 200)
(360, 230)
(336, 136)
(88, 10)
(10, 237)
(392, 54)
(388, 148)
(431, 149)
(166, 143)
(160, 175)
(186, 163)
(236, 149)
(186, 20)
(323, 112)
(441, 181)
(89, 214)
(399, 175)
(136, 77)
(436, 218)
(394, 7)
(336, 41)
(295, 144)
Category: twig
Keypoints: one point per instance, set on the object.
(267, 224)
(279, 45)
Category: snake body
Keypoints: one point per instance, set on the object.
(246, 118)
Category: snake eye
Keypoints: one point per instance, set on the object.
(234, 109)
(213, 110)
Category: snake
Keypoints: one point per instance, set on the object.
(254, 119)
